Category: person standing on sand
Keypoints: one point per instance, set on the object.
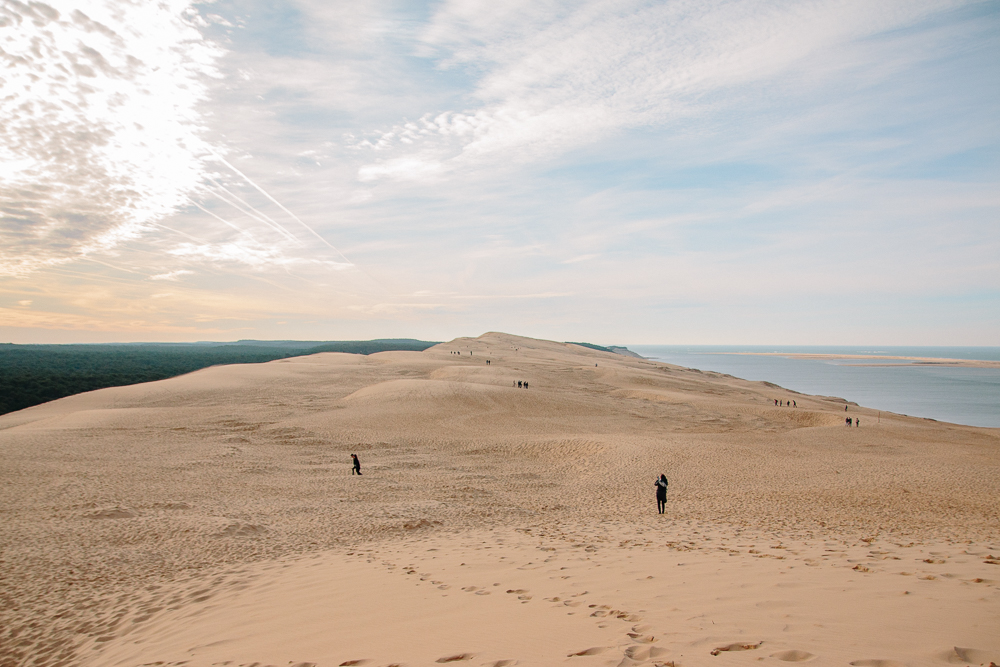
(356, 470)
(661, 494)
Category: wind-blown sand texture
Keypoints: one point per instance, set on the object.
(211, 519)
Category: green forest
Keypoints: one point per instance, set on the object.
(33, 374)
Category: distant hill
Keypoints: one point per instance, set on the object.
(614, 349)
(34, 374)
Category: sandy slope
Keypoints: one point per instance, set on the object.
(210, 519)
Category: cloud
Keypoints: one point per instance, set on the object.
(554, 76)
(173, 275)
(580, 258)
(538, 166)
(101, 129)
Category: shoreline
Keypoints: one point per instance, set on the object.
(914, 361)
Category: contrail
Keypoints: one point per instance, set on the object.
(177, 231)
(110, 266)
(253, 212)
(279, 205)
(223, 220)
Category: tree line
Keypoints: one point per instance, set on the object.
(34, 374)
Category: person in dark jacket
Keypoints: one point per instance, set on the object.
(356, 470)
(661, 494)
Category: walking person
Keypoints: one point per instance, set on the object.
(661, 494)
(356, 470)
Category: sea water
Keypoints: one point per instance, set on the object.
(959, 395)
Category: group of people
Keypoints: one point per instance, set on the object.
(458, 352)
(857, 421)
(521, 384)
(785, 404)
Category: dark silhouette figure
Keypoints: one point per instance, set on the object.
(775, 402)
(848, 421)
(356, 470)
(845, 408)
(519, 384)
(661, 494)
(794, 404)
(857, 421)
(525, 384)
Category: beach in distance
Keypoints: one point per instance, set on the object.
(952, 384)
(505, 515)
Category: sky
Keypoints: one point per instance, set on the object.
(811, 172)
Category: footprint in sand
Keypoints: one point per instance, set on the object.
(457, 657)
(242, 530)
(589, 651)
(971, 656)
(743, 646)
(522, 593)
(642, 653)
(502, 663)
(793, 655)
(877, 663)
(362, 661)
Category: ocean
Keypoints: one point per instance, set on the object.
(968, 396)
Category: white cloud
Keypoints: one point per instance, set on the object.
(553, 76)
(100, 129)
(580, 258)
(172, 275)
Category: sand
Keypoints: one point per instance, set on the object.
(211, 519)
(895, 360)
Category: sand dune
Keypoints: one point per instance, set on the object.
(211, 519)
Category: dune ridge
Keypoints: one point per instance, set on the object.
(149, 523)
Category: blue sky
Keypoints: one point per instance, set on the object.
(810, 172)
